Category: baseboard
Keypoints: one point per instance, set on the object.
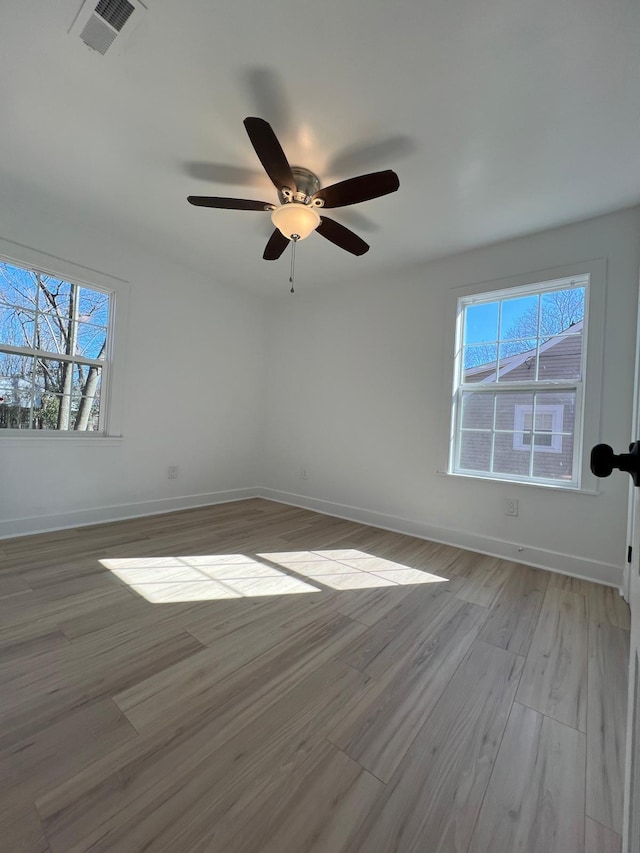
(120, 512)
(565, 564)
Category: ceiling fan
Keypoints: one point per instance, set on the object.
(301, 196)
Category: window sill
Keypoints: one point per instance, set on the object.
(547, 486)
(10, 437)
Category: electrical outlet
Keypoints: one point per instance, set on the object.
(510, 506)
(304, 474)
(172, 472)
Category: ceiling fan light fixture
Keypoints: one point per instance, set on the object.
(295, 218)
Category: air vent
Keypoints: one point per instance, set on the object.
(97, 35)
(110, 21)
(115, 12)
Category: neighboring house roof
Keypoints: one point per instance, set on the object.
(513, 362)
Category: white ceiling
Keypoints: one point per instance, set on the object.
(500, 117)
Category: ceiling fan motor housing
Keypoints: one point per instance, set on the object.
(307, 184)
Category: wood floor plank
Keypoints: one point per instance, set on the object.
(318, 808)
(143, 794)
(378, 646)
(535, 800)
(607, 606)
(135, 611)
(28, 641)
(190, 687)
(11, 582)
(485, 582)
(369, 606)
(39, 606)
(570, 584)
(606, 723)
(514, 615)
(599, 839)
(32, 766)
(279, 615)
(22, 832)
(437, 791)
(554, 680)
(94, 667)
(379, 728)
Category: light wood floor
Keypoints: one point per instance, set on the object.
(256, 678)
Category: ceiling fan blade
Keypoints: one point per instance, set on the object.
(341, 236)
(276, 246)
(229, 203)
(270, 153)
(355, 190)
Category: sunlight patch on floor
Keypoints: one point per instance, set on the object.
(204, 578)
(350, 569)
(210, 577)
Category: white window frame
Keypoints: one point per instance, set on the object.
(112, 381)
(588, 409)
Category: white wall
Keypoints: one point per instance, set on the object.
(192, 390)
(354, 395)
(345, 381)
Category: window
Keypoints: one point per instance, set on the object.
(518, 386)
(54, 352)
(548, 429)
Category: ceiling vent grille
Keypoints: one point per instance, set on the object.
(99, 26)
(115, 12)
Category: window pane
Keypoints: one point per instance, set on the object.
(67, 412)
(17, 286)
(66, 394)
(46, 411)
(519, 318)
(481, 323)
(510, 460)
(55, 296)
(53, 333)
(477, 410)
(91, 340)
(561, 358)
(562, 405)
(93, 307)
(554, 465)
(511, 407)
(475, 451)
(88, 416)
(16, 326)
(13, 417)
(560, 310)
(479, 362)
(15, 390)
(518, 361)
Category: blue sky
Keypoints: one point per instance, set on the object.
(482, 320)
(481, 326)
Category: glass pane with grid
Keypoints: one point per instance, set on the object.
(61, 400)
(539, 336)
(47, 317)
(516, 433)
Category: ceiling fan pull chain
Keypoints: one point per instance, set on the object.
(294, 240)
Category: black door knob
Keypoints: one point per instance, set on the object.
(604, 460)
